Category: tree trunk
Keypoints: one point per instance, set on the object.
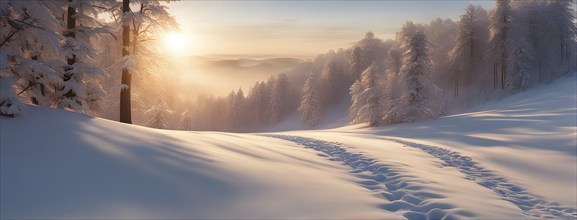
(503, 75)
(456, 83)
(495, 76)
(125, 108)
(70, 25)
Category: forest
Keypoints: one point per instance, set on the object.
(94, 57)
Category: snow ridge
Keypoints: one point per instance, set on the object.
(531, 205)
(388, 183)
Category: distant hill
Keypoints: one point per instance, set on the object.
(234, 73)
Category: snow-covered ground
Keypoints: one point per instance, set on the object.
(515, 158)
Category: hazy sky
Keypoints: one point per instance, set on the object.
(299, 28)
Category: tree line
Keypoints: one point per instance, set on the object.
(428, 70)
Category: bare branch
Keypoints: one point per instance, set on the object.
(8, 38)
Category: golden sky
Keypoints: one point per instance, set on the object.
(298, 28)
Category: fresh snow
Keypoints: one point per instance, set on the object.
(513, 158)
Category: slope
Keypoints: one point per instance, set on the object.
(57, 164)
(522, 149)
(515, 158)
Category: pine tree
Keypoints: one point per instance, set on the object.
(78, 91)
(368, 51)
(10, 104)
(334, 83)
(420, 94)
(533, 20)
(159, 115)
(310, 107)
(279, 97)
(367, 95)
(28, 42)
(237, 110)
(519, 81)
(259, 100)
(356, 104)
(186, 120)
(563, 30)
(466, 56)
(500, 40)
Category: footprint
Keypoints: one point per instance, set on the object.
(531, 205)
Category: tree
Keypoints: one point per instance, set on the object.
(440, 33)
(49, 51)
(148, 20)
(560, 38)
(159, 115)
(237, 110)
(367, 96)
(259, 107)
(533, 20)
(420, 94)
(279, 97)
(125, 102)
(28, 42)
(500, 40)
(466, 56)
(368, 51)
(519, 81)
(310, 107)
(185, 120)
(78, 91)
(10, 104)
(334, 78)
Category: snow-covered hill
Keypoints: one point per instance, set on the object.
(516, 158)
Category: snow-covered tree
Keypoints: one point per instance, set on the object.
(559, 39)
(30, 45)
(78, 91)
(259, 108)
(159, 115)
(144, 23)
(368, 51)
(186, 120)
(440, 33)
(467, 55)
(334, 82)
(10, 104)
(310, 107)
(279, 97)
(519, 81)
(237, 110)
(49, 51)
(420, 94)
(367, 96)
(533, 21)
(500, 40)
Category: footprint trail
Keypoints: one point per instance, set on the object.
(387, 182)
(531, 204)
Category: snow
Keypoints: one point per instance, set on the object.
(94, 168)
(513, 158)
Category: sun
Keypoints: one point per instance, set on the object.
(176, 43)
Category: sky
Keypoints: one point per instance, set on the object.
(297, 28)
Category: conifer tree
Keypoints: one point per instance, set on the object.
(310, 107)
(420, 94)
(500, 40)
(367, 96)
